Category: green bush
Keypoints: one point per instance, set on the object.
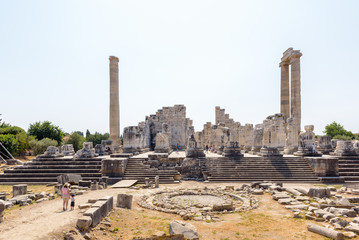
(342, 137)
(39, 147)
(76, 140)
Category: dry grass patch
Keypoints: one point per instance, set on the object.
(34, 188)
(270, 221)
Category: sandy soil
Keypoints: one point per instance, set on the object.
(46, 220)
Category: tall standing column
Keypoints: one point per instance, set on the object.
(295, 88)
(284, 89)
(114, 103)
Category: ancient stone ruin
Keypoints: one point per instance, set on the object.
(170, 123)
(166, 145)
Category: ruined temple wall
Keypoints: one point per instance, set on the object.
(246, 136)
(274, 131)
(144, 135)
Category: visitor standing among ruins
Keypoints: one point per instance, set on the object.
(314, 146)
(177, 147)
(213, 148)
(207, 148)
(65, 195)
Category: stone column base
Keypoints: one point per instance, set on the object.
(269, 152)
(290, 150)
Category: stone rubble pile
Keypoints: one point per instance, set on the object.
(201, 204)
(323, 204)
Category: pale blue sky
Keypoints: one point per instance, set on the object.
(54, 60)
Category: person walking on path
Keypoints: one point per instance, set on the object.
(207, 148)
(177, 147)
(72, 201)
(65, 195)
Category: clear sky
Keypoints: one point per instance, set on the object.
(54, 60)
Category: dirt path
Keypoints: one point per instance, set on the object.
(38, 221)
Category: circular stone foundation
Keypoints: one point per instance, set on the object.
(197, 200)
(200, 203)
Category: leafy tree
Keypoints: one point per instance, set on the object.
(79, 133)
(97, 137)
(335, 129)
(3, 124)
(76, 140)
(10, 143)
(14, 139)
(46, 129)
(11, 130)
(39, 147)
(87, 134)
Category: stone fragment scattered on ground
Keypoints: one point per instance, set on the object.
(327, 232)
(188, 230)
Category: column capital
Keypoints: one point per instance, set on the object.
(295, 57)
(284, 64)
(113, 58)
(296, 54)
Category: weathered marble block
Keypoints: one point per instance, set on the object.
(19, 189)
(344, 148)
(324, 167)
(114, 167)
(124, 201)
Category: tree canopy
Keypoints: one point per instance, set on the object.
(337, 131)
(46, 129)
(97, 137)
(76, 140)
(14, 138)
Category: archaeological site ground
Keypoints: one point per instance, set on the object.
(165, 180)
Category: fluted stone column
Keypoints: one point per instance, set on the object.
(114, 103)
(284, 89)
(295, 88)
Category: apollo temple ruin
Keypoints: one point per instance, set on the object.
(165, 146)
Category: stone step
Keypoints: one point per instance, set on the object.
(59, 167)
(343, 166)
(38, 180)
(35, 175)
(268, 179)
(64, 163)
(343, 174)
(351, 178)
(353, 161)
(148, 170)
(348, 170)
(260, 167)
(68, 159)
(52, 171)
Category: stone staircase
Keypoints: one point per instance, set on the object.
(349, 168)
(137, 170)
(45, 170)
(248, 169)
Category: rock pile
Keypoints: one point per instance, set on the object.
(323, 204)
